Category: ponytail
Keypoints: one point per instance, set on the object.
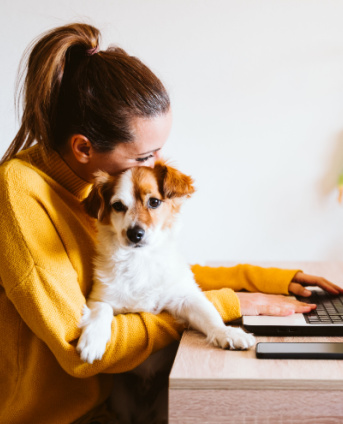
(73, 88)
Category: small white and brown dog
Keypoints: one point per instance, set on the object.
(138, 267)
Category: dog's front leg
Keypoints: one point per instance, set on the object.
(96, 330)
(201, 315)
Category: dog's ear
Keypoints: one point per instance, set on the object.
(173, 183)
(94, 204)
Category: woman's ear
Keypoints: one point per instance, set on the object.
(172, 182)
(81, 148)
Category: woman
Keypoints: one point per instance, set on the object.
(87, 109)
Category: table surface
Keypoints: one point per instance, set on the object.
(199, 366)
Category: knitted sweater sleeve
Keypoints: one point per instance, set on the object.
(40, 281)
(244, 277)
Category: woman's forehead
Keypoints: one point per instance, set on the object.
(150, 134)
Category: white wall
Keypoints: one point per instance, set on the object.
(257, 93)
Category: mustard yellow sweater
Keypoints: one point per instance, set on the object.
(47, 242)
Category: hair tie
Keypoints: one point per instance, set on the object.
(92, 51)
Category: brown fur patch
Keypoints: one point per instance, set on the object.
(145, 186)
(162, 182)
(145, 183)
(97, 204)
(172, 182)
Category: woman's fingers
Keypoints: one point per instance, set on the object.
(312, 280)
(298, 290)
(303, 308)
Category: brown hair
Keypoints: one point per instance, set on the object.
(72, 88)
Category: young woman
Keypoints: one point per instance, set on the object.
(86, 109)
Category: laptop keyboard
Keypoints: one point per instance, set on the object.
(329, 308)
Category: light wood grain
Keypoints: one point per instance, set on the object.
(201, 366)
(236, 406)
(208, 384)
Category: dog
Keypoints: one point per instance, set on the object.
(138, 267)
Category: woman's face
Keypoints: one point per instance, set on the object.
(150, 134)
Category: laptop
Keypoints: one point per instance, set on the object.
(325, 320)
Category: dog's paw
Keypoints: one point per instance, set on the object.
(90, 350)
(94, 337)
(233, 338)
(85, 317)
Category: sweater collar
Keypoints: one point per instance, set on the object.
(55, 167)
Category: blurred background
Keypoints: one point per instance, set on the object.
(257, 96)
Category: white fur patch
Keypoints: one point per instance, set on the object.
(124, 190)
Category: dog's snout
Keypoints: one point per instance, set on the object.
(135, 234)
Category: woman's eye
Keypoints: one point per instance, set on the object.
(144, 159)
(119, 207)
(154, 203)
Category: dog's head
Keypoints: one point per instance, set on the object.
(140, 202)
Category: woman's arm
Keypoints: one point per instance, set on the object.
(46, 278)
(267, 280)
(244, 277)
(46, 281)
(52, 311)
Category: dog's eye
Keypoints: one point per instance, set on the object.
(154, 203)
(119, 207)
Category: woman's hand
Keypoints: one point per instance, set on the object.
(279, 305)
(271, 304)
(300, 280)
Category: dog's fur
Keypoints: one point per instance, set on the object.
(138, 267)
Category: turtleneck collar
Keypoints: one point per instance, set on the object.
(55, 167)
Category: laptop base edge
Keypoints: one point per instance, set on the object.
(293, 331)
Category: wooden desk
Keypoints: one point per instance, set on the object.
(210, 385)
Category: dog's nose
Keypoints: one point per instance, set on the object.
(135, 234)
